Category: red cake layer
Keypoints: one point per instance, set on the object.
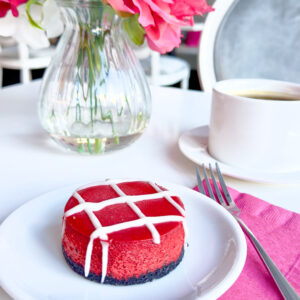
(132, 252)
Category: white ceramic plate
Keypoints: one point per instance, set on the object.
(33, 267)
(193, 144)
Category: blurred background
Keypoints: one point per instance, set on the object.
(240, 39)
(183, 61)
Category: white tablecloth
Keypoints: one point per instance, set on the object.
(31, 164)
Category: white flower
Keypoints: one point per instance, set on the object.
(47, 15)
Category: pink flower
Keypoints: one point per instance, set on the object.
(162, 19)
(6, 5)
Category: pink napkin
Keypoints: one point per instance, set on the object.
(278, 230)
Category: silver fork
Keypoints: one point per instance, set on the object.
(285, 288)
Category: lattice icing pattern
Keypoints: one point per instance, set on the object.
(102, 231)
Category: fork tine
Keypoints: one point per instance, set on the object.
(223, 185)
(210, 192)
(199, 180)
(218, 192)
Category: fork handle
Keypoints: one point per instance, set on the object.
(285, 288)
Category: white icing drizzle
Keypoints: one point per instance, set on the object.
(101, 235)
(168, 197)
(106, 182)
(174, 203)
(105, 247)
(88, 257)
(94, 206)
(102, 232)
(134, 207)
(136, 223)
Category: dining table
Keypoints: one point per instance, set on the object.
(32, 164)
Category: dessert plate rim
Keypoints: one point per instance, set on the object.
(212, 284)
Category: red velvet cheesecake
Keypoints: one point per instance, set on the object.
(123, 232)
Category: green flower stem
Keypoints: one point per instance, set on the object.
(96, 108)
(90, 52)
(97, 146)
(127, 102)
(96, 56)
(81, 148)
(90, 59)
(91, 88)
(31, 20)
(99, 40)
(108, 116)
(89, 146)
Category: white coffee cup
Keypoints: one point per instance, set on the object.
(255, 134)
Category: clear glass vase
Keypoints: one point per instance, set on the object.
(94, 97)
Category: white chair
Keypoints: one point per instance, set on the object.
(206, 65)
(163, 70)
(18, 56)
(5, 42)
(250, 39)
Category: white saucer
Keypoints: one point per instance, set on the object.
(33, 267)
(193, 144)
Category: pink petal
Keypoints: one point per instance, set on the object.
(6, 5)
(145, 17)
(14, 11)
(168, 38)
(162, 19)
(182, 8)
(121, 6)
(163, 10)
(4, 8)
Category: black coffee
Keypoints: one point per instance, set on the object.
(266, 95)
